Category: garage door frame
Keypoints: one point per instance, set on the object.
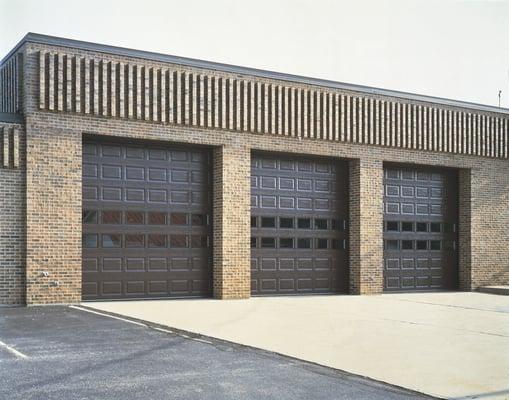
(337, 234)
(199, 259)
(439, 261)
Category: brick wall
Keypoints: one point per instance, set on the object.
(53, 214)
(12, 215)
(53, 194)
(489, 222)
(484, 257)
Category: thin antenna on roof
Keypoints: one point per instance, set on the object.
(499, 96)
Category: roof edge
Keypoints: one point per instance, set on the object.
(191, 62)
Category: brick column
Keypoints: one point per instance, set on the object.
(53, 215)
(366, 226)
(465, 230)
(231, 222)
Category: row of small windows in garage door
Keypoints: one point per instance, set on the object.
(410, 226)
(140, 217)
(297, 243)
(155, 240)
(391, 244)
(300, 223)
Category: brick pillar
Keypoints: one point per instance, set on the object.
(366, 226)
(231, 222)
(465, 230)
(53, 215)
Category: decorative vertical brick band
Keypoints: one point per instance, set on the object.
(366, 226)
(231, 222)
(53, 215)
(247, 103)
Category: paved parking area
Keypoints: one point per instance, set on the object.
(451, 345)
(66, 353)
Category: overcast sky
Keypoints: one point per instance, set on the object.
(452, 49)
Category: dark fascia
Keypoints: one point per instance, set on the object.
(191, 62)
(11, 118)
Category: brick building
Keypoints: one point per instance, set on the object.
(128, 174)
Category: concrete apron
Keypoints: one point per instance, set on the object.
(450, 345)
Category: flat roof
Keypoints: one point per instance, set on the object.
(191, 62)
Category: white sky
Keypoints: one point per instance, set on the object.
(452, 49)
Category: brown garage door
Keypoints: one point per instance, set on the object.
(299, 208)
(146, 213)
(420, 235)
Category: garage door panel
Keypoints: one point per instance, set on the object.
(268, 284)
(90, 289)
(156, 264)
(298, 209)
(157, 287)
(112, 264)
(286, 285)
(420, 228)
(287, 264)
(110, 288)
(146, 221)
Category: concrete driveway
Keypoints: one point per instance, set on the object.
(450, 345)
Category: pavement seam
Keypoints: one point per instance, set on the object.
(445, 327)
(449, 305)
(106, 315)
(143, 324)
